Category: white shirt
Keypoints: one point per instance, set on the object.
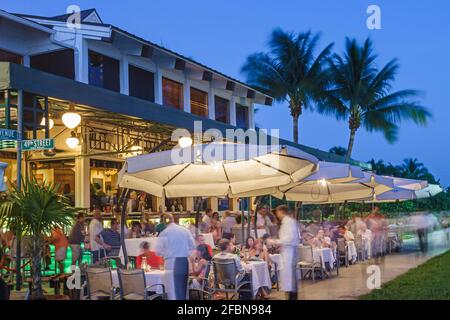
(175, 242)
(289, 232)
(95, 227)
(228, 223)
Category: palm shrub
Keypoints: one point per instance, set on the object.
(34, 210)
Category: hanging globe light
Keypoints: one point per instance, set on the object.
(71, 119)
(185, 142)
(51, 123)
(72, 142)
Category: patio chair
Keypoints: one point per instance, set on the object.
(228, 279)
(360, 248)
(133, 286)
(306, 262)
(342, 252)
(203, 292)
(99, 284)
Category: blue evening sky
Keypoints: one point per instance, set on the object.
(221, 33)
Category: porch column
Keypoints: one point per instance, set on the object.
(213, 203)
(251, 115)
(188, 204)
(124, 85)
(158, 86)
(81, 57)
(211, 103)
(234, 204)
(82, 182)
(233, 111)
(187, 95)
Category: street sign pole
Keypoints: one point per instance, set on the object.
(19, 180)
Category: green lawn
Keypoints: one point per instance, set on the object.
(429, 281)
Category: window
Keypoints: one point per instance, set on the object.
(241, 116)
(199, 102)
(172, 93)
(104, 72)
(10, 57)
(221, 108)
(60, 63)
(141, 83)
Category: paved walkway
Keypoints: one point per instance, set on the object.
(351, 281)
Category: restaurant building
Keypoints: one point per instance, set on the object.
(103, 95)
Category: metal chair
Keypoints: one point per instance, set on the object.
(228, 279)
(133, 286)
(99, 284)
(204, 291)
(342, 251)
(306, 262)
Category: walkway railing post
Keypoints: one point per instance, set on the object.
(19, 181)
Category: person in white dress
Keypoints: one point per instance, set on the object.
(289, 240)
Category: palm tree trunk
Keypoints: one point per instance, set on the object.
(37, 292)
(351, 141)
(295, 127)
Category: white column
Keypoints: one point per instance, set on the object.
(187, 94)
(82, 182)
(124, 84)
(26, 60)
(211, 103)
(81, 59)
(157, 82)
(233, 110)
(251, 115)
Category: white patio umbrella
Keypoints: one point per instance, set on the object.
(216, 169)
(3, 166)
(327, 191)
(401, 194)
(410, 184)
(328, 172)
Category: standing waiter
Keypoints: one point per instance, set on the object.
(175, 244)
(288, 240)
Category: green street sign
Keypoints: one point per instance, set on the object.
(38, 144)
(8, 144)
(8, 134)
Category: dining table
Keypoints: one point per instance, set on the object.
(259, 274)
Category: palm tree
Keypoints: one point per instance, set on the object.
(290, 71)
(34, 211)
(361, 93)
(412, 168)
(341, 151)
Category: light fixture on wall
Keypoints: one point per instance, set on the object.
(72, 142)
(185, 142)
(51, 123)
(71, 119)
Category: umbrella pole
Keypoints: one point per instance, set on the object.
(197, 215)
(249, 218)
(242, 222)
(124, 200)
(258, 206)
(301, 209)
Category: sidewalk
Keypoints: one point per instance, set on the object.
(351, 282)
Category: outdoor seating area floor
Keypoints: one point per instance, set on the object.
(351, 282)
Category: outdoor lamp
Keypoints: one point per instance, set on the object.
(322, 182)
(185, 142)
(71, 119)
(72, 142)
(51, 123)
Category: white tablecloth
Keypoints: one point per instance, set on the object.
(153, 277)
(260, 274)
(209, 239)
(326, 254)
(352, 253)
(133, 246)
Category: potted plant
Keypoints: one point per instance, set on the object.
(34, 211)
